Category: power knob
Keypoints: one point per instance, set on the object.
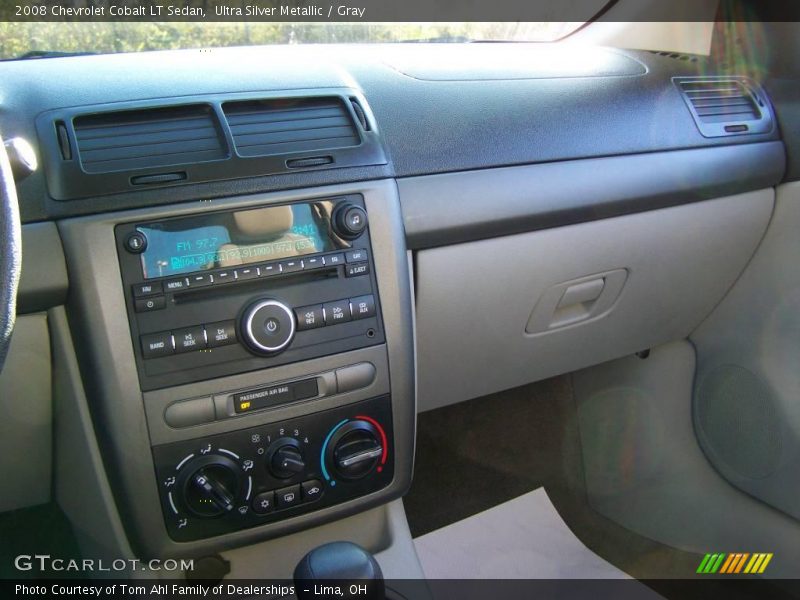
(267, 326)
(349, 221)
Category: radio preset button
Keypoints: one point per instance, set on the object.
(356, 255)
(247, 273)
(200, 280)
(189, 339)
(147, 289)
(270, 270)
(220, 333)
(157, 344)
(148, 304)
(357, 269)
(337, 312)
(362, 307)
(224, 276)
(291, 266)
(309, 317)
(315, 262)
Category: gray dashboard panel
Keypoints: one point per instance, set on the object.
(458, 207)
(97, 318)
(475, 299)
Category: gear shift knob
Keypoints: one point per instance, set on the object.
(343, 565)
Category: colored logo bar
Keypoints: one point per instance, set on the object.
(735, 563)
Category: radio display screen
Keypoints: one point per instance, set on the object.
(218, 240)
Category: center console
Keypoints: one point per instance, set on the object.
(252, 361)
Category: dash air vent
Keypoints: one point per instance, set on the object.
(283, 126)
(92, 151)
(157, 137)
(724, 106)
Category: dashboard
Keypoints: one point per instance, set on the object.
(256, 251)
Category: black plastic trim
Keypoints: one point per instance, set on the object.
(451, 208)
(68, 179)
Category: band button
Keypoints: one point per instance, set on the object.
(157, 344)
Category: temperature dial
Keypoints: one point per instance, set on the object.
(355, 449)
(210, 485)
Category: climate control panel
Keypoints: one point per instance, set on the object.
(263, 474)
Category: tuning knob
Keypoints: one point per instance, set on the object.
(349, 221)
(286, 459)
(355, 450)
(210, 485)
(268, 326)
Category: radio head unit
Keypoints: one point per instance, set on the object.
(223, 292)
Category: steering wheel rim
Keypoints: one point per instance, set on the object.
(10, 252)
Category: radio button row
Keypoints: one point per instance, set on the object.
(148, 304)
(189, 339)
(157, 344)
(336, 312)
(220, 333)
(147, 289)
(356, 255)
(357, 269)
